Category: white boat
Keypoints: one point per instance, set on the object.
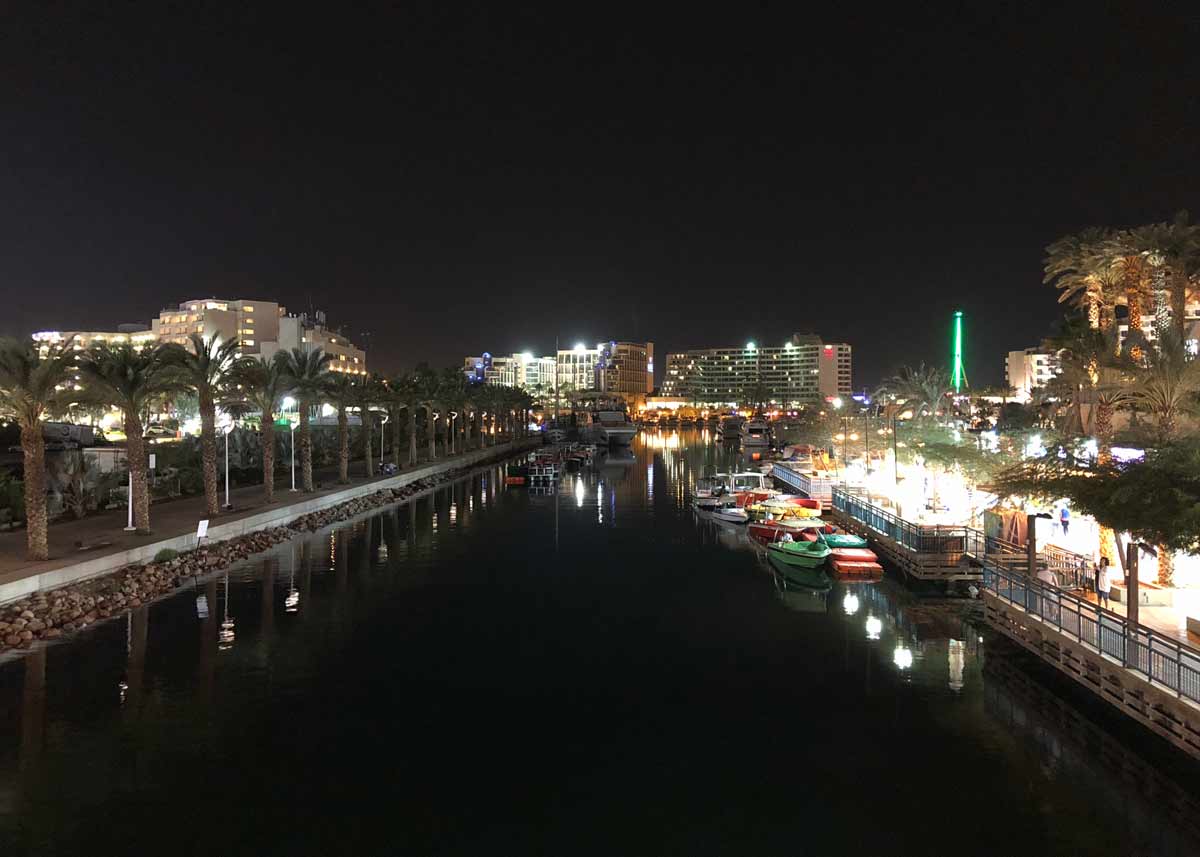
(608, 424)
(711, 492)
(731, 514)
(756, 433)
(751, 480)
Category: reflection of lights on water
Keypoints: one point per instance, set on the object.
(874, 628)
(292, 602)
(850, 603)
(902, 657)
(958, 658)
(122, 689)
(578, 492)
(226, 635)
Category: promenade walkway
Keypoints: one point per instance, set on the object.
(103, 535)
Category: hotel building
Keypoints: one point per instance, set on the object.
(802, 371)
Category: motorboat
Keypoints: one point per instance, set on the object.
(731, 514)
(608, 424)
(756, 433)
(799, 554)
(783, 508)
(710, 492)
(800, 529)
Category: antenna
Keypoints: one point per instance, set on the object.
(958, 372)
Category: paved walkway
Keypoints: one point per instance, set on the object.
(1169, 621)
(105, 532)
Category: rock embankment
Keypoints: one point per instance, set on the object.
(58, 612)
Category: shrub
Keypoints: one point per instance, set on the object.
(166, 555)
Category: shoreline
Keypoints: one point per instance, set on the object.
(59, 612)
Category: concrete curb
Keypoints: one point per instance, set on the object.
(274, 517)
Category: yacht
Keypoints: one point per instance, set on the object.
(608, 424)
(756, 433)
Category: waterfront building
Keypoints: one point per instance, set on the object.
(262, 328)
(300, 331)
(136, 334)
(522, 370)
(803, 371)
(1029, 369)
(253, 322)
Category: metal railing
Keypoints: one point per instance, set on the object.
(947, 542)
(1162, 660)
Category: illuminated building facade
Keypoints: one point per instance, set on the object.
(802, 371)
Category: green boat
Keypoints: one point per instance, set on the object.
(842, 540)
(799, 554)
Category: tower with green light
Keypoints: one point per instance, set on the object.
(958, 373)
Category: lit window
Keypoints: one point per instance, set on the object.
(248, 341)
(248, 309)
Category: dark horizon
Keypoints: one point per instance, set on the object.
(451, 183)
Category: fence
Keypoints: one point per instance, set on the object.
(1162, 660)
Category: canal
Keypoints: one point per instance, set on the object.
(493, 671)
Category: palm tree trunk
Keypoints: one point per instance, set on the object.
(367, 431)
(33, 446)
(394, 419)
(268, 456)
(305, 433)
(412, 435)
(1166, 566)
(208, 453)
(343, 446)
(1179, 285)
(432, 431)
(449, 428)
(135, 451)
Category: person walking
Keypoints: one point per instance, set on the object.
(1064, 518)
(1103, 582)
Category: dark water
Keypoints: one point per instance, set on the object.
(486, 671)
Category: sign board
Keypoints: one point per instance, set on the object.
(202, 530)
(152, 460)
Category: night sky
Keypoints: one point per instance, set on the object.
(454, 182)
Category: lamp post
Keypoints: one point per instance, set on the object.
(293, 451)
(385, 419)
(895, 453)
(228, 431)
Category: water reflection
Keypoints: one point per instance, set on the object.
(654, 651)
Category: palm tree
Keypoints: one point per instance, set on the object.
(393, 402)
(342, 393)
(29, 391)
(368, 394)
(1080, 266)
(260, 385)
(426, 385)
(130, 379)
(1167, 386)
(203, 366)
(1176, 246)
(757, 396)
(452, 395)
(308, 371)
(922, 390)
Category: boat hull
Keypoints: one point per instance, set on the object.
(798, 555)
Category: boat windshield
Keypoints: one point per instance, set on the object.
(747, 481)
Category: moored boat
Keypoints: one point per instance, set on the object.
(799, 554)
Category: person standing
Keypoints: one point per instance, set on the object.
(1064, 518)
(1103, 582)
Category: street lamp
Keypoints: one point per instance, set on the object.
(384, 420)
(228, 429)
(295, 423)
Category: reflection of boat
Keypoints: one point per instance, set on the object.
(799, 554)
(810, 581)
(616, 457)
